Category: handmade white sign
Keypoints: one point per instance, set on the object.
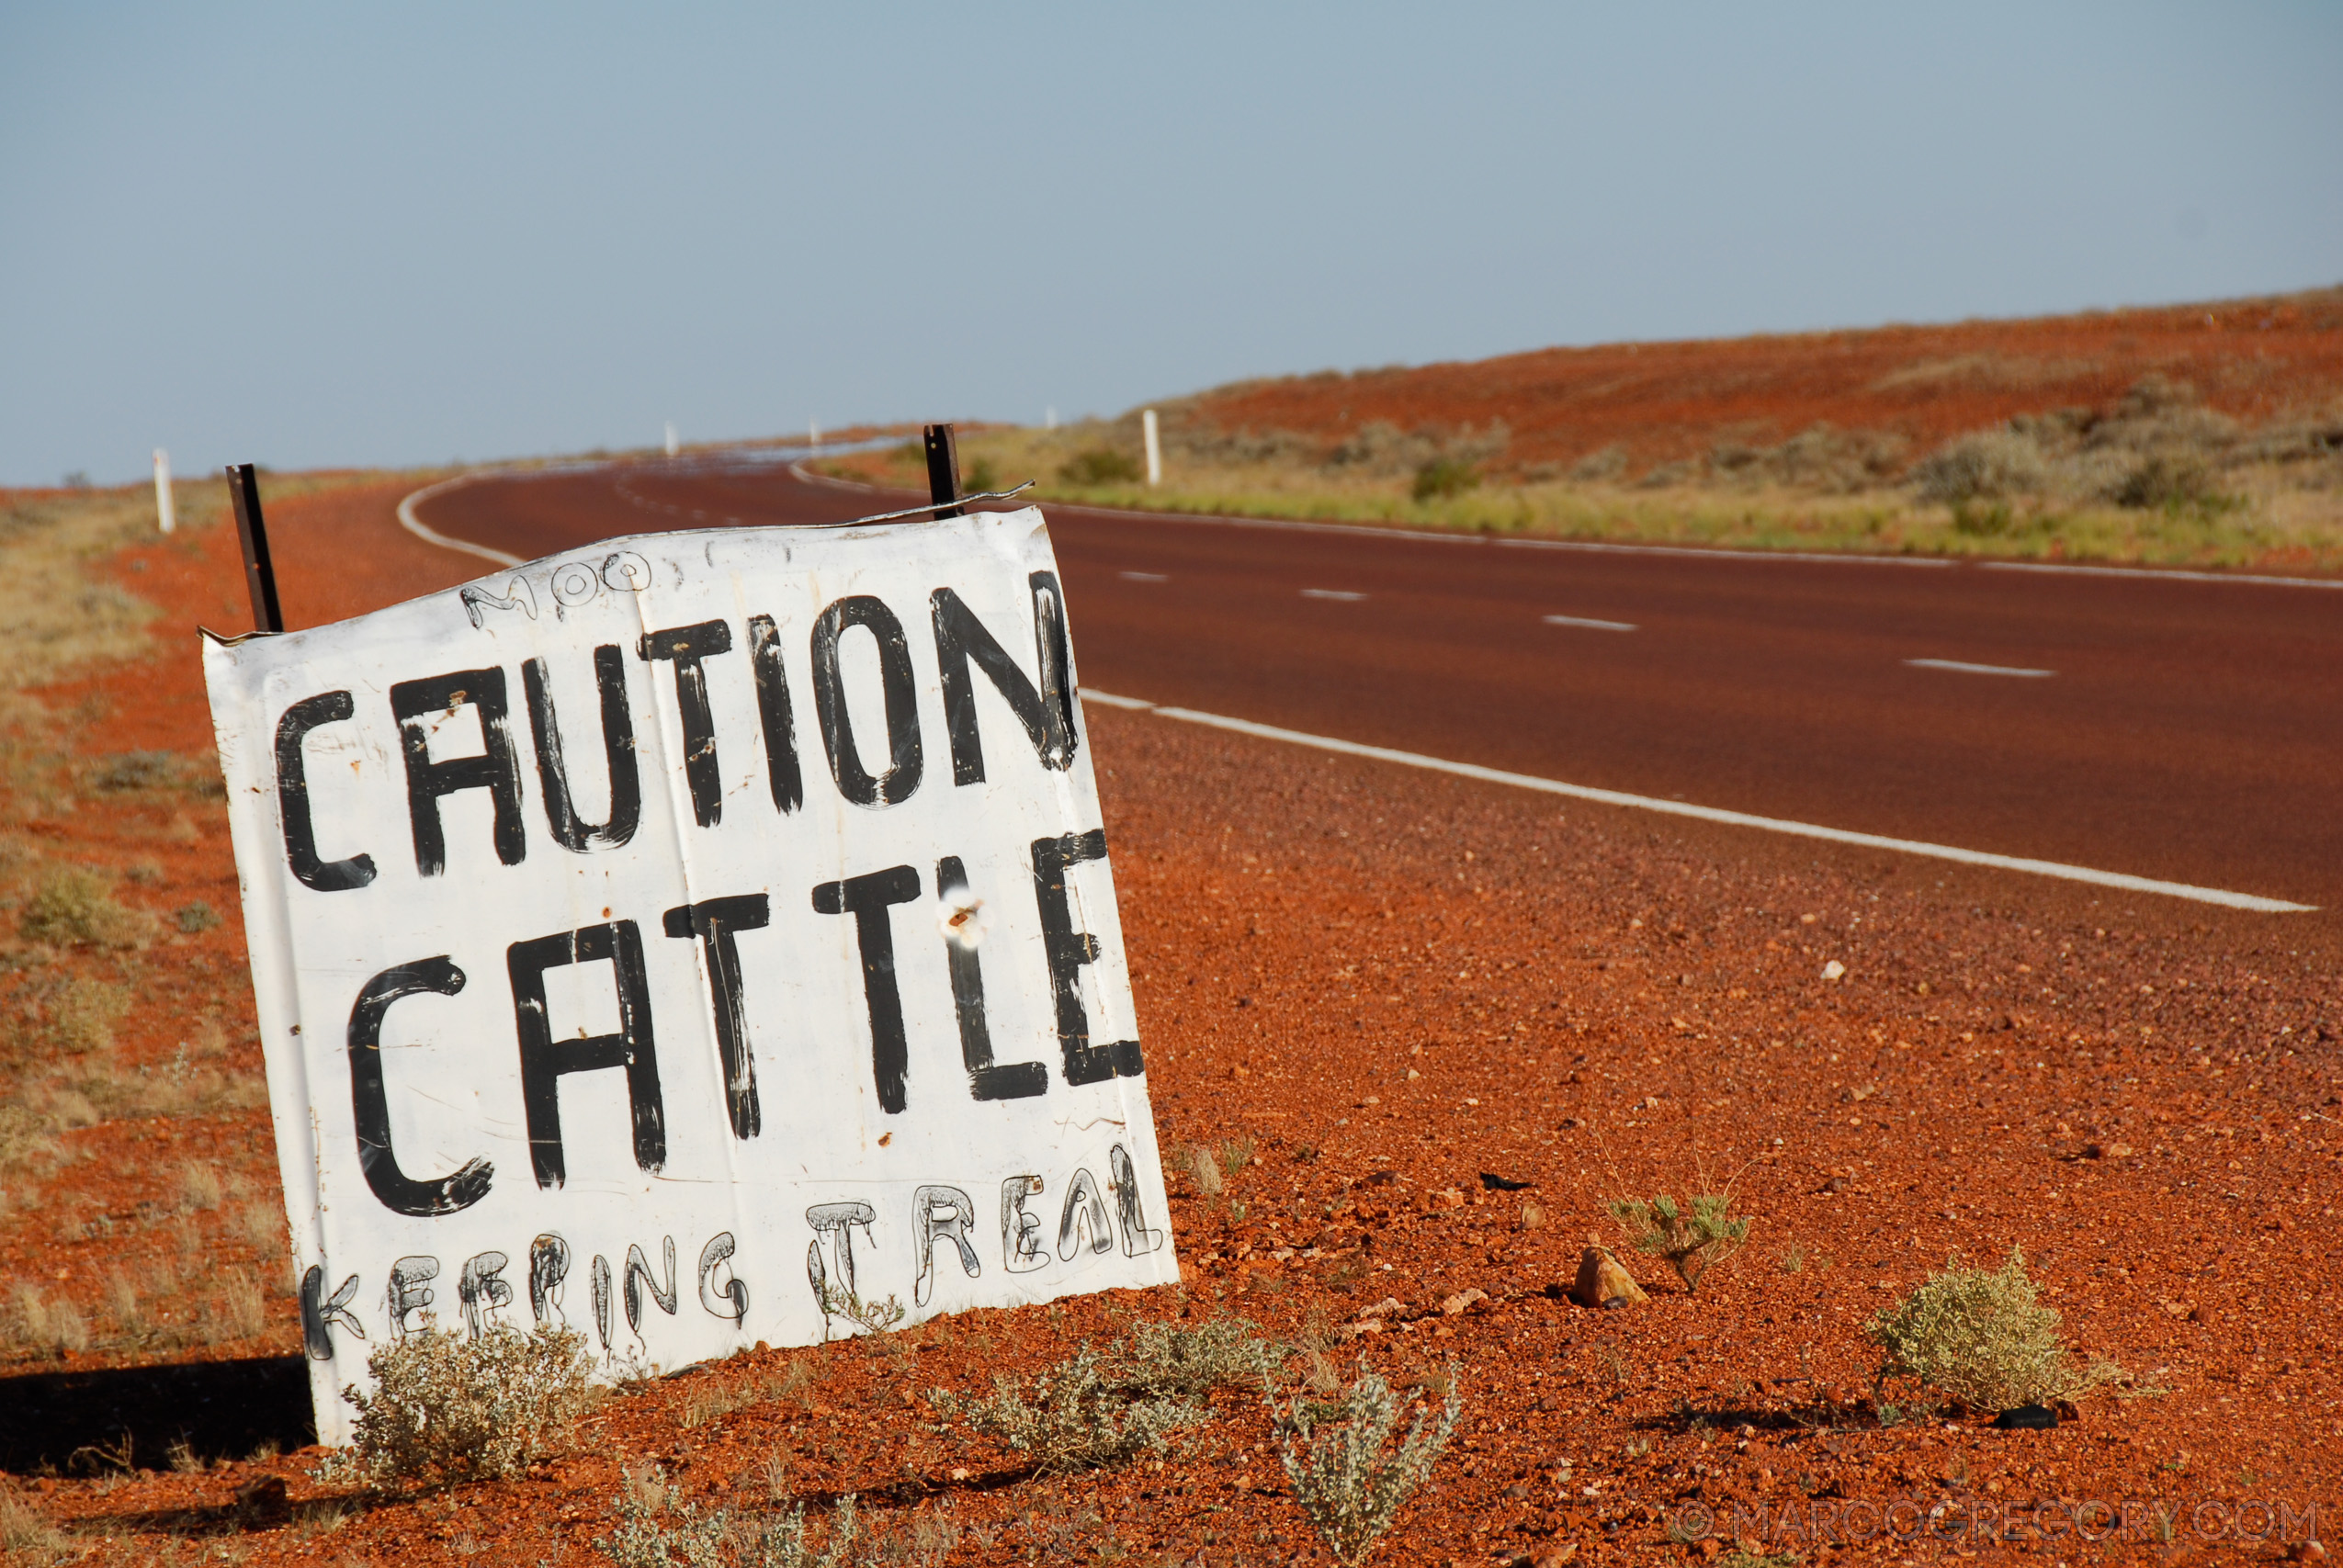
(694, 940)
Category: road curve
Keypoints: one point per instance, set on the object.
(2170, 726)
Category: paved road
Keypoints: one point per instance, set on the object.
(2187, 730)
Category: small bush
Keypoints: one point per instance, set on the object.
(1979, 1336)
(448, 1408)
(1166, 1361)
(1079, 1414)
(1100, 466)
(1992, 465)
(1442, 478)
(2162, 480)
(196, 917)
(1345, 1473)
(871, 1317)
(1692, 1238)
(73, 908)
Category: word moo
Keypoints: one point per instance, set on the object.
(688, 941)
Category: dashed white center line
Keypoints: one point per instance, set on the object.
(1341, 595)
(1143, 576)
(1965, 668)
(1583, 621)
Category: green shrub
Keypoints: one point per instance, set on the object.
(448, 1408)
(198, 916)
(1079, 1414)
(1346, 1474)
(1444, 476)
(1979, 1336)
(1691, 1238)
(1099, 466)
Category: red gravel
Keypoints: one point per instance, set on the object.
(1367, 971)
(1658, 402)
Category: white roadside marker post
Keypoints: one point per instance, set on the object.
(1049, 417)
(1154, 447)
(166, 515)
(813, 439)
(671, 448)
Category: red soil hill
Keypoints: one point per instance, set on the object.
(2251, 358)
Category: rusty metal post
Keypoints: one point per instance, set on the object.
(944, 472)
(260, 573)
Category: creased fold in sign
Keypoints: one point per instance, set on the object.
(696, 939)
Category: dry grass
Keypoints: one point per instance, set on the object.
(36, 1323)
(240, 1310)
(199, 1188)
(63, 616)
(25, 1535)
(714, 1397)
(2154, 480)
(75, 907)
(795, 1385)
(24, 1138)
(261, 1223)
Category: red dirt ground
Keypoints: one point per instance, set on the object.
(2252, 358)
(1392, 983)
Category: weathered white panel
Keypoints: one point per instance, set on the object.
(494, 1023)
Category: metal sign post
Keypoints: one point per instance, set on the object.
(944, 472)
(260, 574)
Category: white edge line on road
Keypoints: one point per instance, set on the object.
(415, 525)
(1712, 814)
(1420, 536)
(1966, 668)
(430, 536)
(1583, 621)
(2162, 574)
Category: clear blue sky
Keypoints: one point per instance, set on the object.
(344, 235)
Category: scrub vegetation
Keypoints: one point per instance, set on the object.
(1982, 1337)
(2191, 435)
